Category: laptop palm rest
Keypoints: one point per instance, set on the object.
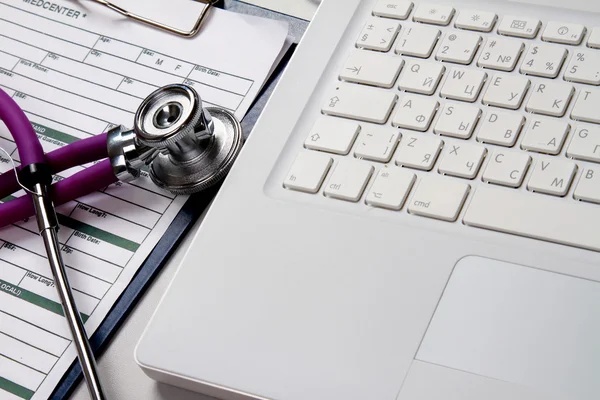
(519, 325)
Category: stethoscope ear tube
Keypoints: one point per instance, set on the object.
(35, 177)
(78, 185)
(82, 152)
(30, 148)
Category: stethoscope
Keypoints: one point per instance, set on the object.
(187, 149)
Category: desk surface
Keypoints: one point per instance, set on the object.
(304, 9)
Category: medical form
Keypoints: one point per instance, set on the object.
(78, 71)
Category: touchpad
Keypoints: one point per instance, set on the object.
(518, 324)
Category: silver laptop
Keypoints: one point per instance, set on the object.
(416, 216)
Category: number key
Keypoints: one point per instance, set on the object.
(500, 54)
(584, 67)
(544, 60)
(418, 41)
(459, 47)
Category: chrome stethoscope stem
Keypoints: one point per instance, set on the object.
(48, 227)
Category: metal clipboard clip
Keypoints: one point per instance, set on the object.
(207, 5)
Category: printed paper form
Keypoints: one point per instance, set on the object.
(77, 72)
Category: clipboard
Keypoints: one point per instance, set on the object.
(182, 223)
(140, 18)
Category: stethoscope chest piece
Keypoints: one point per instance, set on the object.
(194, 147)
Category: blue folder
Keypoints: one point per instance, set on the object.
(190, 212)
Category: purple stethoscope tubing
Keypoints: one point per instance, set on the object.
(30, 151)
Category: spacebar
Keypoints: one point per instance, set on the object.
(535, 216)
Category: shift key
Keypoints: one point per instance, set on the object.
(361, 103)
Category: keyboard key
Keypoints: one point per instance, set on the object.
(474, 20)
(500, 54)
(586, 106)
(544, 60)
(594, 39)
(418, 41)
(507, 168)
(463, 84)
(585, 144)
(459, 47)
(361, 103)
(550, 98)
(332, 135)
(377, 143)
(398, 9)
(545, 136)
(501, 128)
(421, 76)
(588, 188)
(519, 26)
(457, 120)
(584, 67)
(348, 180)
(559, 32)
(308, 172)
(372, 68)
(439, 198)
(378, 34)
(418, 151)
(536, 217)
(436, 14)
(552, 177)
(391, 188)
(506, 91)
(462, 160)
(415, 112)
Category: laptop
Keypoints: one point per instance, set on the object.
(416, 216)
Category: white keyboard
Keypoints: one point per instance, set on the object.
(464, 116)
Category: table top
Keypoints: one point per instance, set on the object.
(303, 9)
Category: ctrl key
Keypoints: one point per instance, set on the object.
(439, 198)
(308, 172)
(349, 180)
